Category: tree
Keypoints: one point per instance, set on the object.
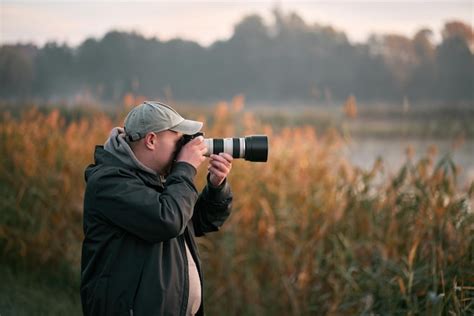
(423, 78)
(55, 71)
(399, 55)
(16, 70)
(455, 62)
(287, 58)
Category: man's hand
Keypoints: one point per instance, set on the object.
(193, 152)
(219, 168)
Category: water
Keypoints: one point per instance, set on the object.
(364, 151)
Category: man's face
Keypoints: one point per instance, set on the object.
(166, 149)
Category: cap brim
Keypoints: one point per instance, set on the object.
(188, 127)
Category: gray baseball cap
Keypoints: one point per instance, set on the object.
(153, 116)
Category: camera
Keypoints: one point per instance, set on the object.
(252, 148)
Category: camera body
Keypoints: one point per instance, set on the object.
(187, 138)
(252, 148)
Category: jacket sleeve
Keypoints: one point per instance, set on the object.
(126, 202)
(212, 208)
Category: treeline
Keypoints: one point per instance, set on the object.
(288, 59)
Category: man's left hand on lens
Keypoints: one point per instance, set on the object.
(219, 167)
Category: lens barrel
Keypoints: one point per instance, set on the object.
(251, 148)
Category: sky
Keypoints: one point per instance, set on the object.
(72, 21)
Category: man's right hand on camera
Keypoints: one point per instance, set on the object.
(193, 152)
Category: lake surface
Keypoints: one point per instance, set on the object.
(364, 151)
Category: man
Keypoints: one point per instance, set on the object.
(141, 213)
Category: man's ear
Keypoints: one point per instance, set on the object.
(150, 141)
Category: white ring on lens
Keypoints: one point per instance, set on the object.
(242, 147)
(228, 146)
(210, 146)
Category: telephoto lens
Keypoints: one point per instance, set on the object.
(251, 148)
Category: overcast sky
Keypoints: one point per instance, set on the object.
(206, 21)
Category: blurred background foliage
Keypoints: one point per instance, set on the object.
(288, 59)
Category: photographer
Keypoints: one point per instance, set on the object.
(142, 212)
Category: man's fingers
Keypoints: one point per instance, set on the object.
(222, 171)
(223, 159)
(199, 139)
(199, 144)
(227, 157)
(220, 165)
(218, 173)
(193, 152)
(203, 148)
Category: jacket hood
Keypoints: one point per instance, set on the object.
(116, 151)
(118, 146)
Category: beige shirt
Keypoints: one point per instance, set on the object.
(194, 299)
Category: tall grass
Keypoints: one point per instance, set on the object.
(42, 183)
(309, 232)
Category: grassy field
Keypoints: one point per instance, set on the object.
(310, 233)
